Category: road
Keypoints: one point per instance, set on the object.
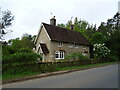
(101, 77)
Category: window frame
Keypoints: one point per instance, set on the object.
(60, 44)
(76, 45)
(70, 45)
(60, 55)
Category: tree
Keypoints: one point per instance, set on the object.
(25, 44)
(114, 44)
(97, 37)
(111, 32)
(5, 22)
(91, 29)
(15, 44)
(61, 25)
(27, 41)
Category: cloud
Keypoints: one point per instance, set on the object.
(30, 13)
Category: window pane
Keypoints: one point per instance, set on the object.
(61, 54)
(56, 55)
(60, 44)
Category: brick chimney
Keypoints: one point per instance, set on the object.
(53, 21)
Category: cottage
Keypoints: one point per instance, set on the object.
(54, 42)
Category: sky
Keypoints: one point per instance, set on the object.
(29, 14)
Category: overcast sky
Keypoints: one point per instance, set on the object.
(30, 13)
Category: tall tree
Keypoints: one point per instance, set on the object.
(27, 41)
(5, 22)
(111, 32)
(97, 38)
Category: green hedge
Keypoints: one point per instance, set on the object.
(25, 50)
(20, 58)
(76, 56)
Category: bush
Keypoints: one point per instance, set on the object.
(113, 57)
(25, 50)
(76, 56)
(20, 58)
(7, 50)
(100, 51)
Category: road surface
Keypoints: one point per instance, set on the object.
(101, 77)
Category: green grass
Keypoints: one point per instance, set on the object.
(8, 76)
(85, 66)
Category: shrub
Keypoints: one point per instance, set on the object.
(76, 56)
(100, 51)
(113, 57)
(20, 58)
(7, 50)
(25, 50)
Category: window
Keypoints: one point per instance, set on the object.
(59, 55)
(70, 45)
(76, 45)
(60, 44)
(84, 52)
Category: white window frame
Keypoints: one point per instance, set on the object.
(60, 44)
(84, 54)
(60, 54)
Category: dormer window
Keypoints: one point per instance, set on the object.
(60, 44)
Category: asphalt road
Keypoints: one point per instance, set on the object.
(101, 77)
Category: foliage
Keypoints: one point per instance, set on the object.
(97, 37)
(5, 22)
(27, 41)
(20, 58)
(114, 44)
(11, 72)
(25, 50)
(76, 56)
(100, 51)
(61, 25)
(111, 32)
(7, 50)
(17, 45)
(112, 57)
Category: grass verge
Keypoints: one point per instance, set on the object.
(85, 66)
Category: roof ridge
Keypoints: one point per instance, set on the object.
(61, 27)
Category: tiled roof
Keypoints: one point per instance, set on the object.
(44, 48)
(64, 35)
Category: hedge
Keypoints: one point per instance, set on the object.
(20, 58)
